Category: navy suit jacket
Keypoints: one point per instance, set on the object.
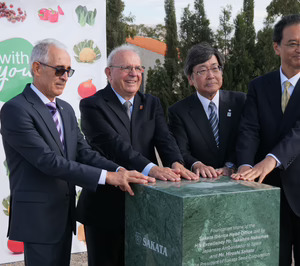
(265, 129)
(130, 143)
(190, 126)
(43, 176)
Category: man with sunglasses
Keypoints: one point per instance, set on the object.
(47, 156)
(127, 136)
(205, 124)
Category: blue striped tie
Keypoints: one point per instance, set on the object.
(53, 110)
(214, 122)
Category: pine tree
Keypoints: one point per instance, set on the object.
(279, 8)
(223, 36)
(171, 57)
(240, 67)
(117, 28)
(194, 28)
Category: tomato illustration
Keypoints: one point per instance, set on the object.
(86, 89)
(15, 247)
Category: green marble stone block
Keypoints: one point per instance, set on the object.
(201, 223)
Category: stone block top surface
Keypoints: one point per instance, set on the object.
(206, 186)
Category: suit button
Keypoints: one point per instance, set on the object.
(67, 195)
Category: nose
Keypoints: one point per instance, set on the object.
(209, 74)
(65, 76)
(133, 72)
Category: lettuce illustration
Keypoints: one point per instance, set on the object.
(85, 16)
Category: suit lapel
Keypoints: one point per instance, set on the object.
(115, 105)
(44, 113)
(292, 110)
(225, 120)
(198, 115)
(273, 94)
(137, 117)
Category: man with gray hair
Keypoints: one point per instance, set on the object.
(125, 126)
(205, 124)
(47, 156)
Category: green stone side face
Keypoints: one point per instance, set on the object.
(220, 222)
(154, 228)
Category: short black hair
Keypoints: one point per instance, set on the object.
(282, 24)
(199, 54)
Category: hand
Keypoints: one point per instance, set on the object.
(260, 170)
(242, 169)
(123, 177)
(224, 171)
(203, 170)
(184, 173)
(164, 173)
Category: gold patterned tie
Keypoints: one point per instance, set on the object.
(285, 96)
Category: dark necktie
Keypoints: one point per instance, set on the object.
(214, 122)
(127, 106)
(54, 112)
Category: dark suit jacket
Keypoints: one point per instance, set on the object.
(190, 126)
(42, 176)
(265, 129)
(129, 143)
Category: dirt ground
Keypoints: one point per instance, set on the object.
(77, 259)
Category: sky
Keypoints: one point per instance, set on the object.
(151, 12)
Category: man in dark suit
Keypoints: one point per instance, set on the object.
(207, 142)
(128, 137)
(269, 136)
(47, 155)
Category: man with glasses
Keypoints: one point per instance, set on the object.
(125, 126)
(268, 145)
(47, 156)
(205, 123)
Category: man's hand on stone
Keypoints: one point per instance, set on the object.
(122, 178)
(183, 172)
(164, 173)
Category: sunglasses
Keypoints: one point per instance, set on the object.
(60, 71)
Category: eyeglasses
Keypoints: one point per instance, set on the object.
(293, 45)
(60, 71)
(204, 71)
(128, 69)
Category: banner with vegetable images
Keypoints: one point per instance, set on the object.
(81, 26)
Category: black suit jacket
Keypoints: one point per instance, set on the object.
(43, 176)
(265, 129)
(129, 143)
(190, 126)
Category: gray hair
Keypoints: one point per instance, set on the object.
(40, 51)
(124, 47)
(199, 54)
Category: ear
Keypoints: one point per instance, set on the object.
(276, 47)
(191, 80)
(36, 68)
(108, 73)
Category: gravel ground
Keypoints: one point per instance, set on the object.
(77, 259)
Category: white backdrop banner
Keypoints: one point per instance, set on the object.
(81, 26)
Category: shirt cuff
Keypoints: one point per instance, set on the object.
(245, 165)
(278, 163)
(102, 178)
(147, 169)
(194, 164)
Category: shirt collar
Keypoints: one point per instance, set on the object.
(121, 99)
(205, 102)
(293, 80)
(44, 99)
